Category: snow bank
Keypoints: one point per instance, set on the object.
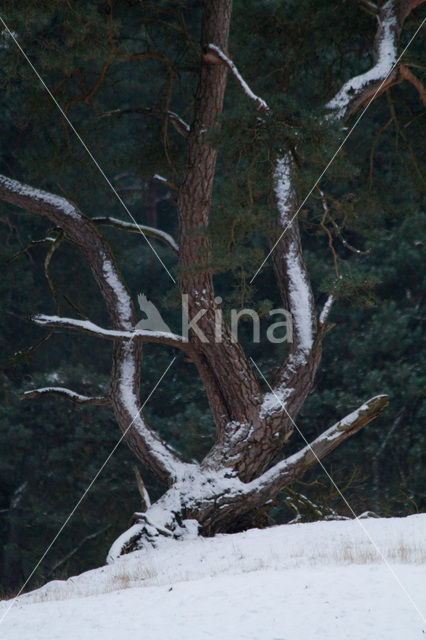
(322, 580)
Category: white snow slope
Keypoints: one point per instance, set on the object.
(324, 580)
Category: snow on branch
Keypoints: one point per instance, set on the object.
(80, 231)
(295, 466)
(31, 245)
(184, 126)
(86, 326)
(326, 310)
(165, 181)
(162, 236)
(360, 88)
(22, 195)
(231, 66)
(65, 393)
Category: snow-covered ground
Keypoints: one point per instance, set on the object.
(326, 580)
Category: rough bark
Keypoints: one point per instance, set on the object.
(230, 384)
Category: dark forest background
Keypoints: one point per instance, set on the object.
(115, 68)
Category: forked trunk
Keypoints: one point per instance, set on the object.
(232, 487)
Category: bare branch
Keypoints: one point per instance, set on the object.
(36, 200)
(294, 379)
(31, 245)
(145, 499)
(51, 250)
(406, 74)
(345, 243)
(162, 236)
(406, 7)
(24, 354)
(179, 123)
(327, 230)
(371, 7)
(232, 390)
(65, 393)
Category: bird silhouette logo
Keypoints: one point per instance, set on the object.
(153, 320)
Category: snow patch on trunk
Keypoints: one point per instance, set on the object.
(283, 188)
(300, 300)
(274, 401)
(124, 303)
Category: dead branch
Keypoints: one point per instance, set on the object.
(327, 230)
(67, 394)
(179, 123)
(123, 225)
(406, 74)
(215, 55)
(160, 337)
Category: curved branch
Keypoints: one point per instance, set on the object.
(359, 89)
(125, 376)
(162, 236)
(31, 245)
(406, 74)
(406, 7)
(362, 88)
(179, 123)
(65, 393)
(294, 378)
